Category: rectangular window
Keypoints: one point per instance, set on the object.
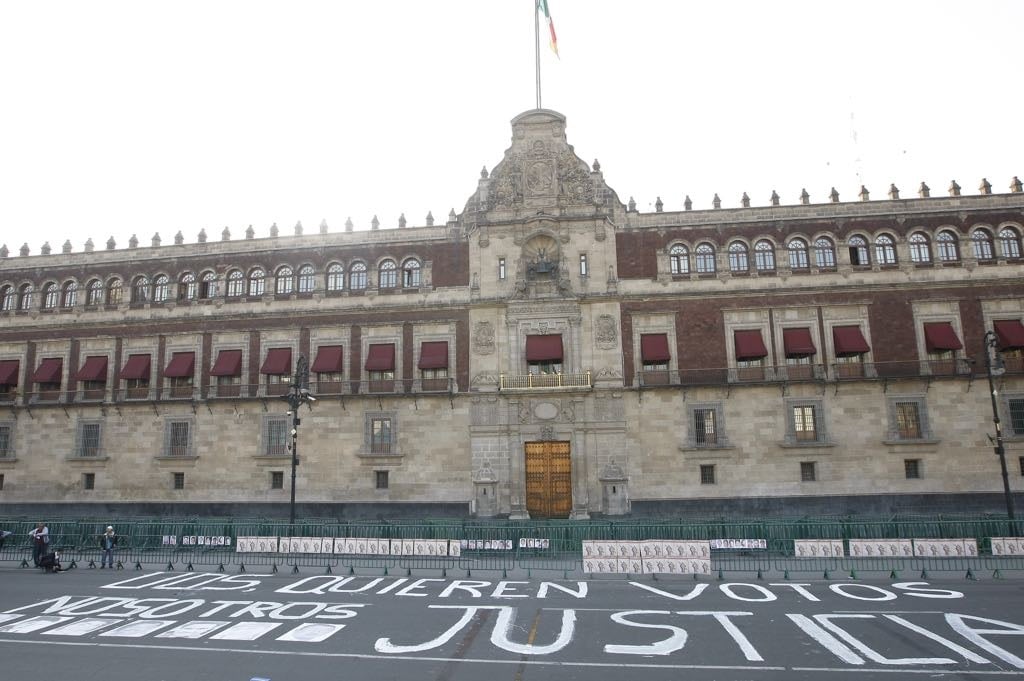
(88, 481)
(6, 440)
(584, 271)
(1021, 468)
(380, 436)
(912, 468)
(502, 272)
(88, 439)
(707, 474)
(276, 437)
(908, 421)
(804, 427)
(2, 480)
(276, 479)
(178, 480)
(808, 471)
(704, 429)
(178, 438)
(380, 479)
(1017, 416)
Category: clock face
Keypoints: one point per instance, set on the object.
(538, 176)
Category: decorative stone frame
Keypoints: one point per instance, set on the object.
(97, 348)
(381, 336)
(653, 324)
(798, 318)
(435, 334)
(264, 439)
(928, 311)
(892, 436)
(847, 315)
(366, 448)
(11, 455)
(722, 442)
(268, 342)
(76, 451)
(822, 438)
(146, 346)
(748, 320)
(165, 450)
(228, 342)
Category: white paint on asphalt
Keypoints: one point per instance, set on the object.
(27, 626)
(83, 626)
(139, 628)
(246, 631)
(193, 629)
(867, 651)
(665, 646)
(311, 632)
(503, 627)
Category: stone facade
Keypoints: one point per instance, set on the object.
(692, 361)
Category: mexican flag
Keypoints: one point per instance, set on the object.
(542, 6)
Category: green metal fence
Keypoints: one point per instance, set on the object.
(823, 545)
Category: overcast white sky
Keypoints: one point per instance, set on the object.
(137, 117)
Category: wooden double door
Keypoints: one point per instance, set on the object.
(548, 479)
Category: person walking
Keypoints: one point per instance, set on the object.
(108, 540)
(40, 542)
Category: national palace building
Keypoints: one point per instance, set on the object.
(548, 352)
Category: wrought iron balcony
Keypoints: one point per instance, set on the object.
(545, 381)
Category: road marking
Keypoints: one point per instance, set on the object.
(311, 632)
(139, 628)
(246, 631)
(82, 627)
(193, 629)
(33, 624)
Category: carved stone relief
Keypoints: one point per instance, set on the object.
(483, 338)
(606, 332)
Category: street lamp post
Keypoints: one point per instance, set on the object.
(994, 367)
(297, 395)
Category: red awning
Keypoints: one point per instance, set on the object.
(381, 357)
(1010, 333)
(94, 369)
(328, 360)
(940, 337)
(49, 371)
(544, 348)
(654, 348)
(182, 364)
(434, 355)
(9, 372)
(136, 367)
(849, 341)
(749, 345)
(229, 363)
(278, 361)
(798, 342)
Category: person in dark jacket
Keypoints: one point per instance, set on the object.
(40, 542)
(108, 540)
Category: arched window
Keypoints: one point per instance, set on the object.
(140, 289)
(161, 288)
(948, 246)
(236, 284)
(859, 254)
(7, 298)
(307, 280)
(764, 256)
(25, 294)
(284, 280)
(705, 258)
(187, 287)
(50, 296)
(208, 286)
(919, 250)
(885, 250)
(94, 292)
(387, 274)
(69, 294)
(679, 259)
(357, 277)
(981, 240)
(257, 282)
(798, 254)
(335, 277)
(411, 273)
(738, 259)
(1009, 242)
(824, 253)
(114, 291)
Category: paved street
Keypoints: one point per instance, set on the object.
(152, 625)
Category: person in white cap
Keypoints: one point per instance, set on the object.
(108, 540)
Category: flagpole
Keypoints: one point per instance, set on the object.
(536, 46)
